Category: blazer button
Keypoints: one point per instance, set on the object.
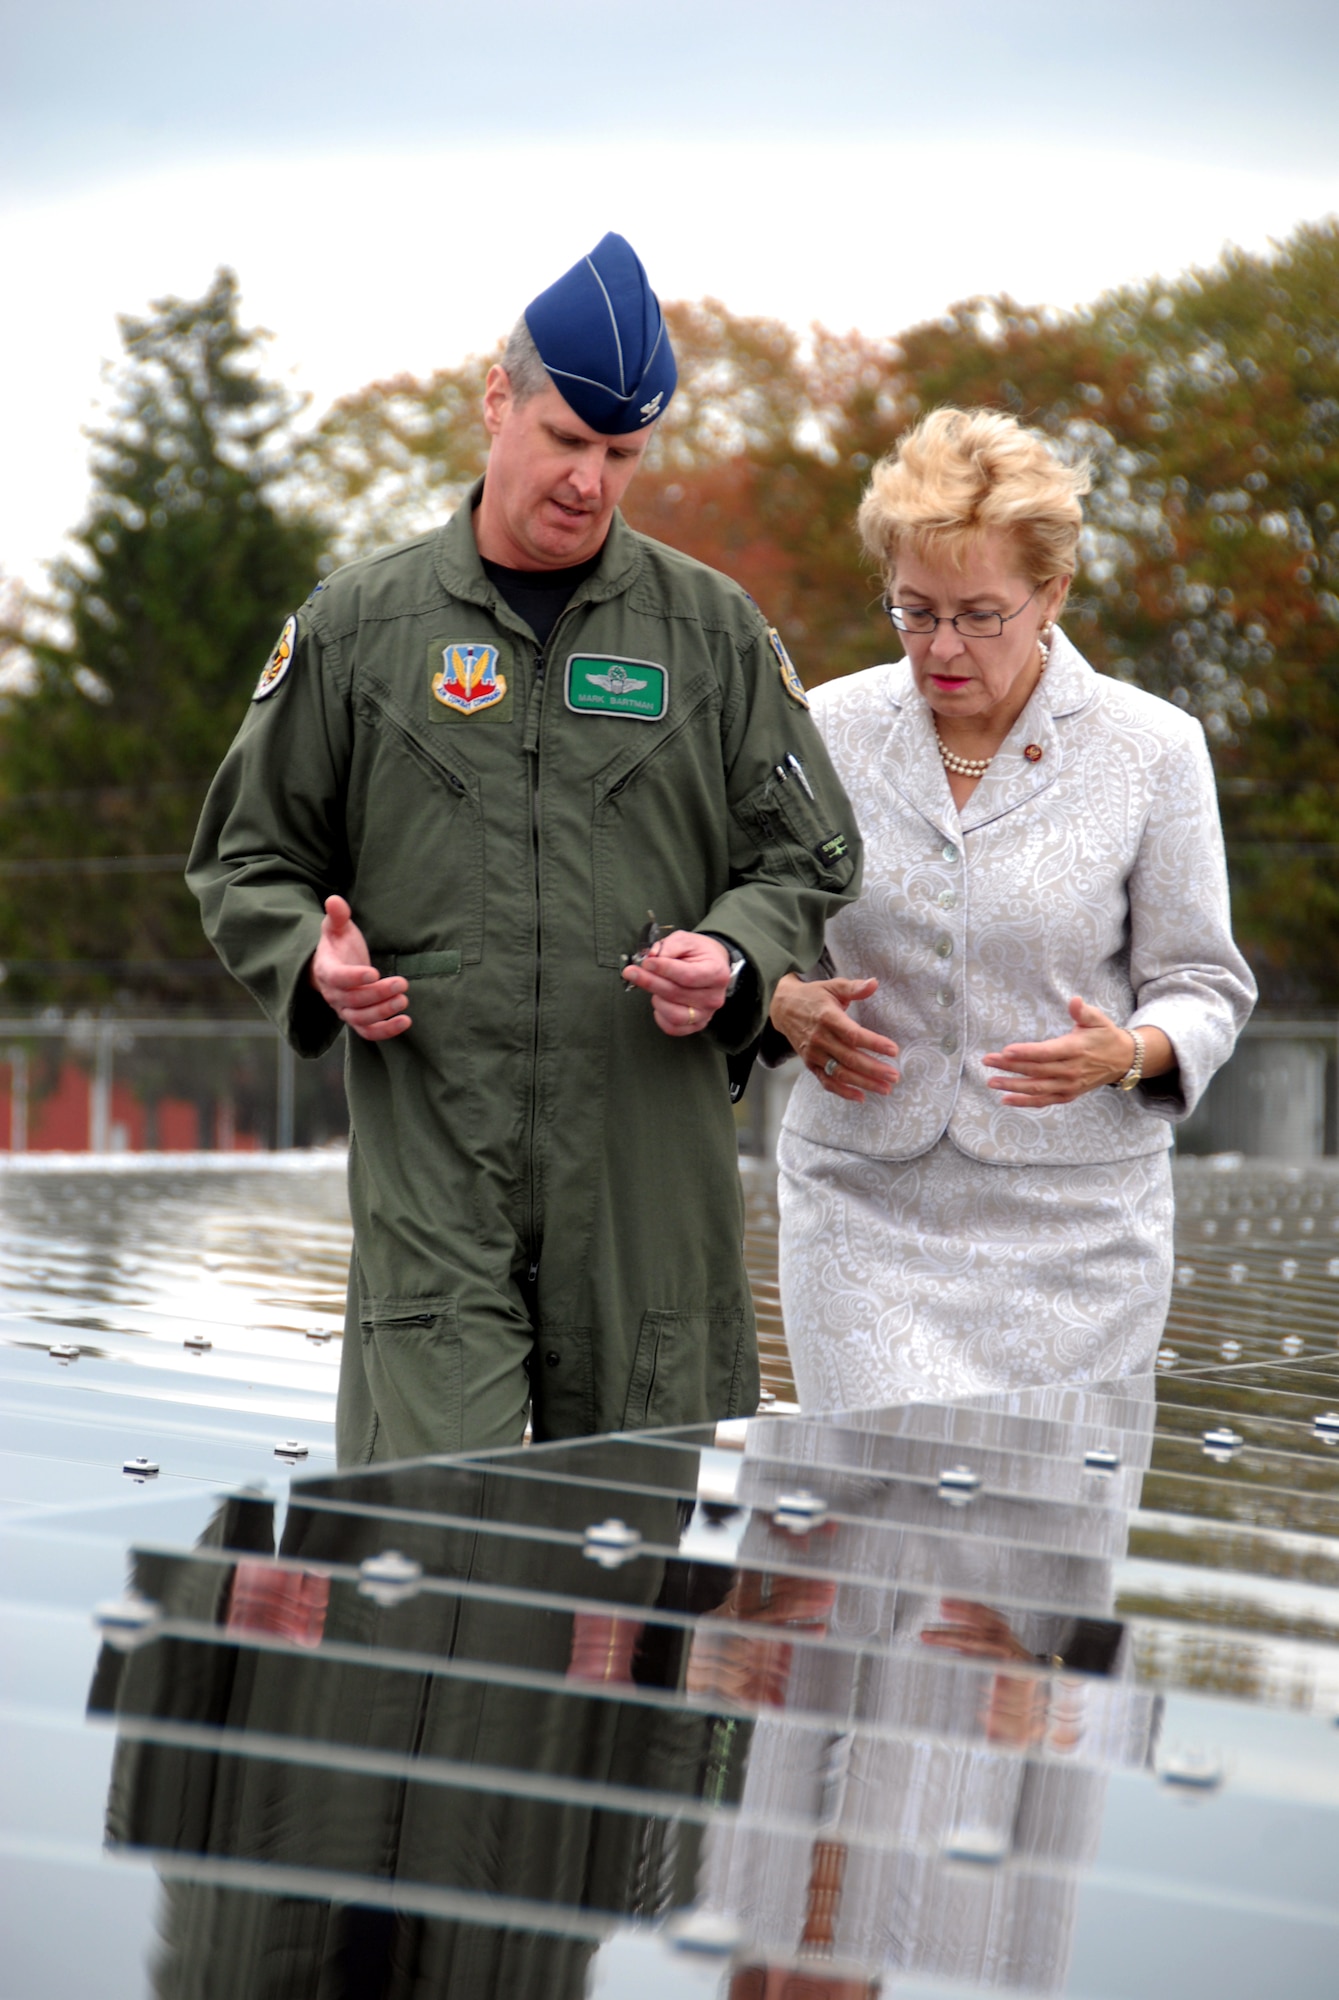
(552, 1358)
(943, 947)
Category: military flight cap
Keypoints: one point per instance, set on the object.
(600, 333)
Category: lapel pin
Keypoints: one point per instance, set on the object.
(1033, 753)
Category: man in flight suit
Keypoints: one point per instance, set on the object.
(471, 768)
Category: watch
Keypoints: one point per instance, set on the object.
(737, 962)
(1135, 1073)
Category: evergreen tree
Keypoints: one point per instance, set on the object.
(156, 626)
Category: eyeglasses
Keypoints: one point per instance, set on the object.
(967, 624)
(648, 937)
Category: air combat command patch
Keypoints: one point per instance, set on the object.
(469, 682)
(280, 660)
(790, 679)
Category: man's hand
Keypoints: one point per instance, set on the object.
(1094, 1053)
(344, 976)
(686, 975)
(811, 1014)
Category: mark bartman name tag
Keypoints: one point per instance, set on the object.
(600, 684)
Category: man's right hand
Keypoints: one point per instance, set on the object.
(343, 974)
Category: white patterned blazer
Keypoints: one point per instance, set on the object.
(1095, 868)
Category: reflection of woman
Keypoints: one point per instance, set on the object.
(971, 1697)
(965, 1202)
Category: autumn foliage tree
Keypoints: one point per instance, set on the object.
(1210, 575)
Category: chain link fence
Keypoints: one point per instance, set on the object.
(119, 1084)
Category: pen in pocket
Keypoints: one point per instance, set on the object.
(798, 768)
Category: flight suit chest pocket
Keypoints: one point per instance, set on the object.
(435, 892)
(416, 834)
(657, 833)
(412, 1359)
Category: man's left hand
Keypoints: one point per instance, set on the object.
(686, 975)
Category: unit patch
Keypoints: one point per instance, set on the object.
(600, 685)
(280, 660)
(468, 681)
(790, 679)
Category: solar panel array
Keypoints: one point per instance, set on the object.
(1032, 1692)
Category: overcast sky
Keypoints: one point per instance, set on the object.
(393, 180)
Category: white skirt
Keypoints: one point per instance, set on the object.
(944, 1276)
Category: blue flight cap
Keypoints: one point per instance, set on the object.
(601, 334)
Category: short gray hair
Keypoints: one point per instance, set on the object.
(525, 371)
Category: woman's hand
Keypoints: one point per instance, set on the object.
(1094, 1053)
(811, 1014)
(975, 1631)
(1016, 1704)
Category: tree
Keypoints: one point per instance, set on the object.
(1210, 574)
(141, 657)
(395, 458)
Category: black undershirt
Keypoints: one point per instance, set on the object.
(540, 596)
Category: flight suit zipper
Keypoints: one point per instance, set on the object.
(534, 717)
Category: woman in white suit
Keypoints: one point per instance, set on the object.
(1038, 980)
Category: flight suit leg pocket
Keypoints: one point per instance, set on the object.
(415, 1372)
(692, 1366)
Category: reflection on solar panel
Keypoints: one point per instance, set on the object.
(1034, 1691)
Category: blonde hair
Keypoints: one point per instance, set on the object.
(959, 474)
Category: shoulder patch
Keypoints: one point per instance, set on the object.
(280, 660)
(790, 679)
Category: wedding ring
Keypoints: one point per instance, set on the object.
(831, 1066)
(692, 1017)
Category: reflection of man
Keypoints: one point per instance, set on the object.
(443, 823)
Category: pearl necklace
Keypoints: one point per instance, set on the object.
(965, 767)
(976, 767)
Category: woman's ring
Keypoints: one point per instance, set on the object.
(831, 1066)
(692, 1017)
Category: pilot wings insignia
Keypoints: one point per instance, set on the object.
(617, 681)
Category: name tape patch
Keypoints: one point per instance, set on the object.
(599, 684)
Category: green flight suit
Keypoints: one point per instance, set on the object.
(544, 1186)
